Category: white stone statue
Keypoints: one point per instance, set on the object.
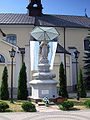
(44, 50)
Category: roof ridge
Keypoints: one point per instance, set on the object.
(44, 14)
(14, 13)
(66, 15)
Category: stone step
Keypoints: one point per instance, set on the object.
(43, 104)
(51, 103)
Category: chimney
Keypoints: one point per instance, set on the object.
(34, 8)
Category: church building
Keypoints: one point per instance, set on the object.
(15, 32)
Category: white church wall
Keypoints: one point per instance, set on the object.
(18, 67)
(73, 71)
(27, 63)
(58, 59)
(74, 37)
(22, 33)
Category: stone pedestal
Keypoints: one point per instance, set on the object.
(43, 83)
(42, 88)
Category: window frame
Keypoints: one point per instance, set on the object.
(3, 58)
(86, 43)
(11, 35)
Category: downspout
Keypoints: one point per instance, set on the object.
(22, 57)
(64, 50)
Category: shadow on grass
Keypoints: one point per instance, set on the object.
(7, 110)
(72, 109)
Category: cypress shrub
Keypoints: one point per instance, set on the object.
(87, 63)
(62, 82)
(81, 86)
(22, 84)
(4, 93)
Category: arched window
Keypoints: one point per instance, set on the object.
(35, 5)
(2, 59)
(11, 38)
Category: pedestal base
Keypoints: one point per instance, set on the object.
(44, 88)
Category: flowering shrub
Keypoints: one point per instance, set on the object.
(45, 100)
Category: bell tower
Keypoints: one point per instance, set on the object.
(34, 8)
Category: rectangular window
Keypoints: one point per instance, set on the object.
(86, 44)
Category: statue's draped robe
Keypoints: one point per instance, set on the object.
(34, 54)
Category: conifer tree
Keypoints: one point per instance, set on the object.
(87, 63)
(62, 82)
(22, 84)
(81, 85)
(4, 93)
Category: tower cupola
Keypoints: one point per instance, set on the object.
(34, 8)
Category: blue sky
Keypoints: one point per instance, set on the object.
(62, 7)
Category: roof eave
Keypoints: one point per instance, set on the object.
(64, 26)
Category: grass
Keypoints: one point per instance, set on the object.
(71, 109)
(16, 107)
(79, 104)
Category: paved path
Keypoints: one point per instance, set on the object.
(54, 115)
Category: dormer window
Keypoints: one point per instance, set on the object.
(11, 38)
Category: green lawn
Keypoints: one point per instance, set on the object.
(16, 107)
(79, 104)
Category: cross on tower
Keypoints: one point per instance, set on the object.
(86, 13)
